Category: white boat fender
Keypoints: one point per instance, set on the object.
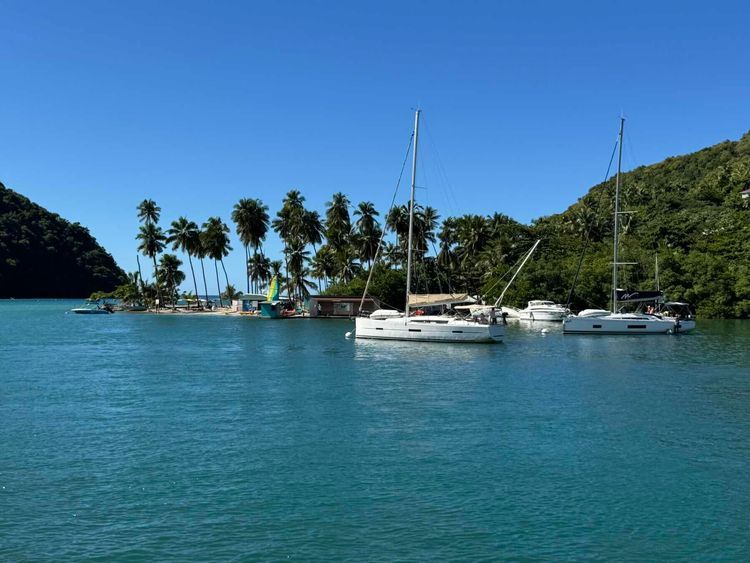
(348, 334)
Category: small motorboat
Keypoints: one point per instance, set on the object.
(94, 308)
(543, 311)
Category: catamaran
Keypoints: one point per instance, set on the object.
(383, 324)
(598, 321)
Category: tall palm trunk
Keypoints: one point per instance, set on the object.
(205, 285)
(225, 275)
(174, 292)
(140, 276)
(218, 285)
(247, 270)
(158, 288)
(195, 283)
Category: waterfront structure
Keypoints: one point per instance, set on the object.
(340, 306)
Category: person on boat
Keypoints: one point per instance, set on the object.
(493, 318)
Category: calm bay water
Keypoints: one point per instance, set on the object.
(216, 438)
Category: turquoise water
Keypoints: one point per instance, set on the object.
(217, 438)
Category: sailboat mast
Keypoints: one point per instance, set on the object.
(617, 220)
(411, 210)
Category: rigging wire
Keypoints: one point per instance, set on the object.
(382, 233)
(588, 230)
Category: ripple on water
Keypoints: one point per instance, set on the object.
(156, 437)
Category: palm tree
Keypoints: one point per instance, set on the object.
(276, 267)
(446, 258)
(338, 223)
(368, 230)
(201, 253)
(148, 211)
(152, 242)
(231, 293)
(397, 221)
(289, 223)
(312, 228)
(184, 235)
(323, 265)
(425, 223)
(216, 240)
(297, 257)
(473, 234)
(172, 275)
(259, 270)
(301, 283)
(251, 218)
(392, 255)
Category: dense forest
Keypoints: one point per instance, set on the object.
(686, 211)
(43, 255)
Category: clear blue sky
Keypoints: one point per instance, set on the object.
(196, 105)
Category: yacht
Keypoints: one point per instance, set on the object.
(597, 321)
(384, 324)
(543, 311)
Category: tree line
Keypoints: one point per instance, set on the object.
(687, 212)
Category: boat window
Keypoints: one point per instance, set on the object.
(636, 326)
(597, 326)
(415, 330)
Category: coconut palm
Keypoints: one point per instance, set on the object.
(259, 270)
(397, 221)
(392, 255)
(446, 257)
(297, 258)
(323, 265)
(148, 211)
(152, 242)
(171, 275)
(338, 223)
(301, 283)
(216, 241)
(184, 236)
(230, 293)
(276, 267)
(201, 253)
(368, 229)
(251, 219)
(289, 223)
(312, 228)
(473, 234)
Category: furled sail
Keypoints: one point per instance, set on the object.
(426, 300)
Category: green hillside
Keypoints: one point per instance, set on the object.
(686, 209)
(43, 255)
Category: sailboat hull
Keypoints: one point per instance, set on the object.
(428, 329)
(624, 324)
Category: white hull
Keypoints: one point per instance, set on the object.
(428, 329)
(550, 316)
(625, 324)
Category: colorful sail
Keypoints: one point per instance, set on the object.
(273, 290)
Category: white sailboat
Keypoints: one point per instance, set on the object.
(393, 325)
(597, 321)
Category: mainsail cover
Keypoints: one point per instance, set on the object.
(624, 296)
(428, 299)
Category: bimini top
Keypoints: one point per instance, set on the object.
(639, 296)
(427, 299)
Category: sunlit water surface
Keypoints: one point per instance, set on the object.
(133, 436)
